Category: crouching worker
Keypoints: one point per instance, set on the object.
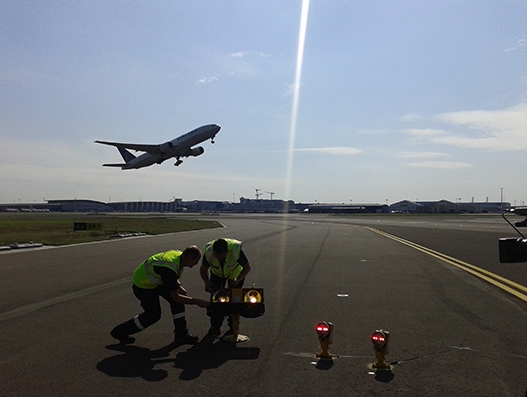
(159, 276)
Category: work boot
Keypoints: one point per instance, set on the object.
(186, 339)
(122, 331)
(123, 339)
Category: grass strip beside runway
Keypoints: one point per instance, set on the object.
(57, 229)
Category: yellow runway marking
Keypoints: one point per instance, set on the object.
(511, 287)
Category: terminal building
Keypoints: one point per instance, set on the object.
(257, 206)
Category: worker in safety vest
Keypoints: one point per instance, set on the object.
(228, 267)
(159, 276)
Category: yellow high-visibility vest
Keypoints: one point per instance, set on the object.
(230, 269)
(145, 277)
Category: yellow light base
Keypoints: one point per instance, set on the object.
(383, 367)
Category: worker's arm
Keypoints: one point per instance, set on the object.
(241, 276)
(176, 290)
(244, 263)
(204, 273)
(187, 300)
(182, 290)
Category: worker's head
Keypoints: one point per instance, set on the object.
(220, 248)
(190, 256)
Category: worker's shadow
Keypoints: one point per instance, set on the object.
(136, 361)
(209, 354)
(140, 362)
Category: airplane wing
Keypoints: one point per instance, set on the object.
(132, 146)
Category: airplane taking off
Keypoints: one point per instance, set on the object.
(179, 147)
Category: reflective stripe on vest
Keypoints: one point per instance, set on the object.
(231, 269)
(144, 275)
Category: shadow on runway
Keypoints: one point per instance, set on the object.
(138, 361)
(384, 376)
(209, 354)
(324, 364)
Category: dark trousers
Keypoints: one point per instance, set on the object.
(151, 305)
(220, 283)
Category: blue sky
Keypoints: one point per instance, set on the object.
(397, 99)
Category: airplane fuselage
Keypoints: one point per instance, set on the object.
(181, 146)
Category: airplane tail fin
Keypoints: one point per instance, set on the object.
(127, 156)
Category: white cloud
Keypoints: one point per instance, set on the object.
(424, 132)
(373, 132)
(439, 165)
(339, 151)
(240, 54)
(243, 54)
(205, 80)
(289, 90)
(518, 45)
(412, 117)
(421, 155)
(236, 63)
(495, 130)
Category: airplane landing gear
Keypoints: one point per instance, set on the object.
(178, 163)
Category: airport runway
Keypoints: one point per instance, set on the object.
(452, 332)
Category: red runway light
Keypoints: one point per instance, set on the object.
(378, 338)
(322, 328)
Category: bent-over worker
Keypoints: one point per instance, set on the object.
(159, 276)
(228, 267)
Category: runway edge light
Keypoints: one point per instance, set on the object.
(380, 341)
(325, 337)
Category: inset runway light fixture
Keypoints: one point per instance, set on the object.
(325, 338)
(380, 341)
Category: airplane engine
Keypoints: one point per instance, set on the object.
(166, 147)
(197, 151)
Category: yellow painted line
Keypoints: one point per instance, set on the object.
(498, 281)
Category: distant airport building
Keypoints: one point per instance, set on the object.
(247, 205)
(447, 207)
(79, 205)
(267, 206)
(147, 206)
(75, 205)
(349, 208)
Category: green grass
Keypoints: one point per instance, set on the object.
(57, 229)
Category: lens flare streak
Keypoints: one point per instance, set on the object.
(296, 94)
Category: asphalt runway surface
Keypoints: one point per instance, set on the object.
(452, 333)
